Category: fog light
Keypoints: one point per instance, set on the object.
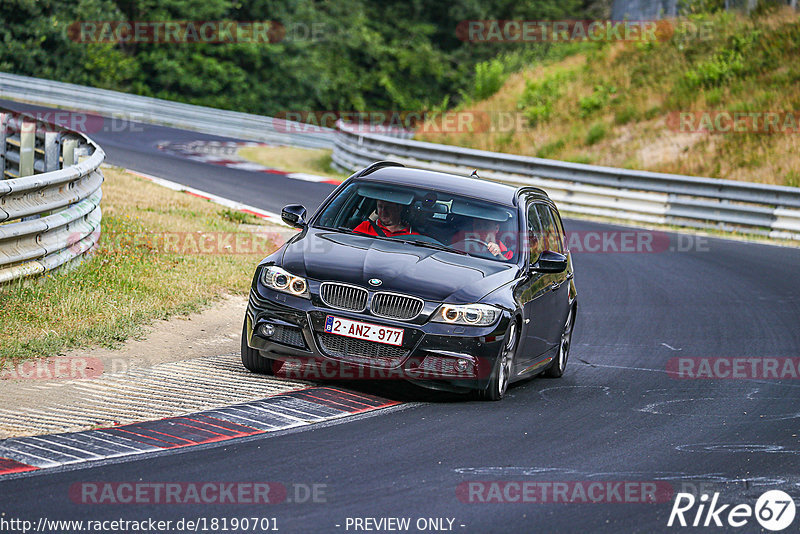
(266, 330)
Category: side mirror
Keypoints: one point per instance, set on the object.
(550, 262)
(294, 215)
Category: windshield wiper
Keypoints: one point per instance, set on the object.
(338, 229)
(433, 246)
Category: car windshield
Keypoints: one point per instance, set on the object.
(425, 217)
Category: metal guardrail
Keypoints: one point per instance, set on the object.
(164, 112)
(626, 194)
(49, 196)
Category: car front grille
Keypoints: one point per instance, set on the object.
(395, 306)
(288, 335)
(343, 297)
(363, 352)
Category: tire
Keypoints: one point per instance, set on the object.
(503, 366)
(252, 359)
(559, 365)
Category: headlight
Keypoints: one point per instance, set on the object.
(466, 314)
(281, 280)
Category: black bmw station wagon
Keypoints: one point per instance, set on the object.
(450, 282)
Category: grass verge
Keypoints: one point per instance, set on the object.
(161, 253)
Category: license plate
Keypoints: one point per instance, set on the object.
(365, 331)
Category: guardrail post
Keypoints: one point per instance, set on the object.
(27, 145)
(3, 132)
(51, 152)
(68, 152)
(81, 153)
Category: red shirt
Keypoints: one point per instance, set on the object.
(504, 252)
(366, 228)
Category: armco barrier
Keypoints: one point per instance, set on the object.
(49, 196)
(164, 112)
(642, 196)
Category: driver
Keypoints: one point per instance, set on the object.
(389, 222)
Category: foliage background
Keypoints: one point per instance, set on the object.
(374, 55)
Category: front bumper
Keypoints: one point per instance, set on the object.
(436, 355)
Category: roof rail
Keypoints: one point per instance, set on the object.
(378, 165)
(532, 189)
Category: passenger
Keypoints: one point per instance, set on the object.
(486, 231)
(389, 222)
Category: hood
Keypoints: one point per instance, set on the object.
(403, 268)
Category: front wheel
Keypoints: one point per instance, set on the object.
(503, 366)
(557, 368)
(253, 361)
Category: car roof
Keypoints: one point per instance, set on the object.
(452, 183)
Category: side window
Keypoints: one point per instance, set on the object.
(552, 238)
(560, 227)
(535, 235)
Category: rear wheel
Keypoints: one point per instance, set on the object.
(557, 368)
(503, 366)
(253, 361)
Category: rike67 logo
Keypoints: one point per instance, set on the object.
(774, 510)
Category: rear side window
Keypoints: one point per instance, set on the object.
(560, 227)
(535, 235)
(552, 236)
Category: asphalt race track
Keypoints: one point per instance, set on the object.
(616, 415)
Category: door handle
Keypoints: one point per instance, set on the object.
(555, 285)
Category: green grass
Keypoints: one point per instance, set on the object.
(133, 278)
(239, 217)
(595, 133)
(625, 115)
